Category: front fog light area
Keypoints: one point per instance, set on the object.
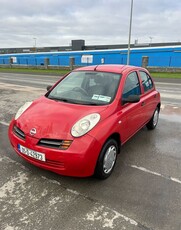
(85, 124)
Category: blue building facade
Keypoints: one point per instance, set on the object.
(158, 56)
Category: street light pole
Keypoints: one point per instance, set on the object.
(129, 39)
(35, 44)
(151, 38)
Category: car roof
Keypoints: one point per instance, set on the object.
(108, 68)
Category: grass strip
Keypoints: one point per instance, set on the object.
(35, 71)
(166, 75)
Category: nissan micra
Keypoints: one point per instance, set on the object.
(78, 127)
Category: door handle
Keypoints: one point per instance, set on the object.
(142, 103)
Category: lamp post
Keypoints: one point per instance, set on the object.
(129, 39)
(35, 44)
(151, 38)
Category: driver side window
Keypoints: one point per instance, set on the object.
(132, 85)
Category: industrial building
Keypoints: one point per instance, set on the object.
(159, 54)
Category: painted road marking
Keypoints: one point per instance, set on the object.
(156, 174)
(28, 81)
(21, 87)
(4, 123)
(172, 96)
(166, 83)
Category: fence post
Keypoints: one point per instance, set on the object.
(46, 62)
(145, 60)
(10, 62)
(72, 63)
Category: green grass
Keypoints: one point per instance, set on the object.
(166, 75)
(35, 71)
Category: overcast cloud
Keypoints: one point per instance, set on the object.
(57, 22)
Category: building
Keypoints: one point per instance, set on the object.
(159, 54)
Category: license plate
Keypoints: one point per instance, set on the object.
(31, 153)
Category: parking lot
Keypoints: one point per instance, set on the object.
(142, 193)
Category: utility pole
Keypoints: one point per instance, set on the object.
(129, 39)
(35, 44)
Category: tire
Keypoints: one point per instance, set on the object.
(107, 159)
(154, 120)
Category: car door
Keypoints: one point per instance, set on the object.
(132, 113)
(149, 94)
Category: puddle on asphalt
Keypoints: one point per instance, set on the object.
(171, 113)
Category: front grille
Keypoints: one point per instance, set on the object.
(54, 143)
(18, 132)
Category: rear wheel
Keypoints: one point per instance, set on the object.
(107, 159)
(154, 120)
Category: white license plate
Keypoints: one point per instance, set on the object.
(31, 153)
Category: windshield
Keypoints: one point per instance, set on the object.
(86, 87)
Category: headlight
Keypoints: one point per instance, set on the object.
(85, 124)
(22, 109)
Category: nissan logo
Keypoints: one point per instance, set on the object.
(32, 131)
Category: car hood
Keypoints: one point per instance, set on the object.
(54, 119)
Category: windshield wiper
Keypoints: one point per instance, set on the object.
(89, 103)
(63, 99)
(93, 103)
(75, 101)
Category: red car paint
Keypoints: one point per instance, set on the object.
(54, 119)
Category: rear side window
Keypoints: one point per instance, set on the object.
(146, 81)
(132, 86)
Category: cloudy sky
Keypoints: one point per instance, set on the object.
(57, 22)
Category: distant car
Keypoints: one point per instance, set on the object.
(78, 127)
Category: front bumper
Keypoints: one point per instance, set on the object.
(78, 160)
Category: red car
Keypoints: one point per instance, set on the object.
(78, 127)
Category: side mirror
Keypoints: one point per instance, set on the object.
(49, 87)
(131, 99)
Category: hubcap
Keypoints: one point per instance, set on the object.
(109, 159)
(155, 117)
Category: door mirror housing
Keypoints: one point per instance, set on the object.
(49, 87)
(131, 99)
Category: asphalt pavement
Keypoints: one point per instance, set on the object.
(144, 191)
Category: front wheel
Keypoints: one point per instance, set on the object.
(107, 159)
(154, 120)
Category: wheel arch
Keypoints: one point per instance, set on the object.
(159, 106)
(117, 138)
(99, 167)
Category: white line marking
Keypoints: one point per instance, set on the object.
(162, 106)
(21, 87)
(166, 83)
(173, 96)
(156, 174)
(165, 102)
(4, 123)
(175, 180)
